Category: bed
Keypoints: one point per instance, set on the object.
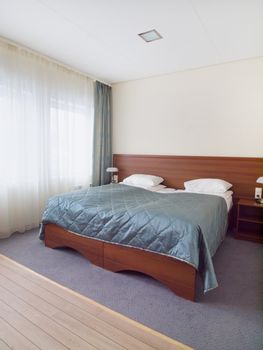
(177, 272)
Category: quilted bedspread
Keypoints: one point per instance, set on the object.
(186, 226)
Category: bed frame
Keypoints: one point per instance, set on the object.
(179, 276)
(117, 258)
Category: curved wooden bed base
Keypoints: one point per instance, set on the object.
(180, 277)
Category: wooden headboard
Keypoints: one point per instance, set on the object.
(241, 172)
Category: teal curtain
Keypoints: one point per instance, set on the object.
(102, 147)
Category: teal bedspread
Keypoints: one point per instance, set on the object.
(186, 226)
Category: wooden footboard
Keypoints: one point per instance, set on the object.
(177, 275)
(57, 237)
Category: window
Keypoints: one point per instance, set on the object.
(46, 130)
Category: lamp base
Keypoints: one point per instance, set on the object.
(114, 179)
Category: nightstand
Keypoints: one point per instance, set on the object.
(249, 224)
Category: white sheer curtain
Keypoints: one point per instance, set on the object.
(46, 128)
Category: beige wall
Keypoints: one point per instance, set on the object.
(216, 110)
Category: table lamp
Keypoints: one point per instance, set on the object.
(114, 176)
(258, 193)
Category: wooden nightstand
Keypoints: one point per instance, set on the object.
(249, 224)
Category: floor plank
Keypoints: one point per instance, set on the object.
(13, 338)
(48, 304)
(28, 329)
(52, 316)
(4, 346)
(46, 324)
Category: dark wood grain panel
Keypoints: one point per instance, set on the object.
(249, 223)
(242, 172)
(175, 274)
(57, 237)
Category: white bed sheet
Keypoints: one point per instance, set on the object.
(226, 195)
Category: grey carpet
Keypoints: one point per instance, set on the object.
(227, 318)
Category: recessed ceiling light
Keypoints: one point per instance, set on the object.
(151, 35)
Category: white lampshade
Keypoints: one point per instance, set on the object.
(260, 180)
(112, 170)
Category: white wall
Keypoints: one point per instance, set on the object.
(216, 111)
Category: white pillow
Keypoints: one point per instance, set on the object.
(143, 180)
(207, 185)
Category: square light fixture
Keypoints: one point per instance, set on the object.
(151, 35)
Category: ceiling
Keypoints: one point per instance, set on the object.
(99, 37)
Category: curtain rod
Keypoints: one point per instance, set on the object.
(20, 46)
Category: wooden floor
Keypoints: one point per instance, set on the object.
(37, 313)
